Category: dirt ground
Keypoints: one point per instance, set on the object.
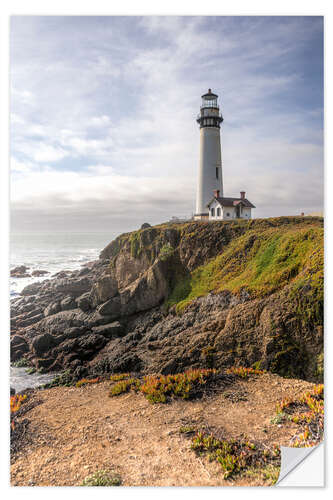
(74, 432)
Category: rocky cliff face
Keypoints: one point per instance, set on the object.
(171, 297)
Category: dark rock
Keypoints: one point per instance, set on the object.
(67, 303)
(84, 302)
(91, 341)
(52, 308)
(18, 347)
(83, 271)
(20, 272)
(61, 274)
(80, 371)
(43, 343)
(104, 289)
(17, 340)
(31, 289)
(111, 307)
(75, 331)
(39, 272)
(109, 330)
(71, 286)
(24, 322)
(145, 225)
(44, 362)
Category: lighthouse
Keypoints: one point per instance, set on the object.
(210, 164)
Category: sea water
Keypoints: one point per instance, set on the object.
(53, 252)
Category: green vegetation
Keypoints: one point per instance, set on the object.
(261, 262)
(124, 386)
(243, 372)
(30, 370)
(22, 363)
(65, 378)
(86, 381)
(235, 456)
(307, 411)
(160, 388)
(102, 478)
(166, 252)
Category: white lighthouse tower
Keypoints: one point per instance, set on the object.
(210, 164)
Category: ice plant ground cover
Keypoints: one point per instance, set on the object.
(160, 388)
(236, 456)
(307, 411)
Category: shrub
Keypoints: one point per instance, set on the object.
(234, 456)
(102, 478)
(16, 402)
(22, 363)
(119, 376)
(307, 411)
(86, 381)
(160, 388)
(124, 386)
(243, 372)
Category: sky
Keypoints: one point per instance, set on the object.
(103, 130)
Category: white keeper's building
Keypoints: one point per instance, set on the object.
(211, 203)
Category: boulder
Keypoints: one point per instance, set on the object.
(84, 302)
(111, 307)
(52, 308)
(18, 347)
(104, 289)
(43, 343)
(20, 272)
(75, 331)
(44, 363)
(39, 272)
(67, 303)
(71, 286)
(145, 225)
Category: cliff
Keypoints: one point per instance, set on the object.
(175, 296)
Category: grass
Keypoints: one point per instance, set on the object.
(260, 262)
(102, 478)
(161, 388)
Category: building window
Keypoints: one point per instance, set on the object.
(218, 212)
(212, 212)
(217, 172)
(228, 214)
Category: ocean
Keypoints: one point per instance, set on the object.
(53, 252)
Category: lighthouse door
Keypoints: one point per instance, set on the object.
(238, 211)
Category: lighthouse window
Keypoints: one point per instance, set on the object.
(217, 172)
(212, 212)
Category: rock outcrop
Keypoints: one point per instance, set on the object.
(170, 297)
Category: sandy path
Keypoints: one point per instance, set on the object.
(77, 431)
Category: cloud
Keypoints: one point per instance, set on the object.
(113, 118)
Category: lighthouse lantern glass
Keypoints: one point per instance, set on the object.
(209, 102)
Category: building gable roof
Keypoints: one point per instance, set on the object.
(232, 202)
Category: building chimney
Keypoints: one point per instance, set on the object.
(216, 193)
(242, 193)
